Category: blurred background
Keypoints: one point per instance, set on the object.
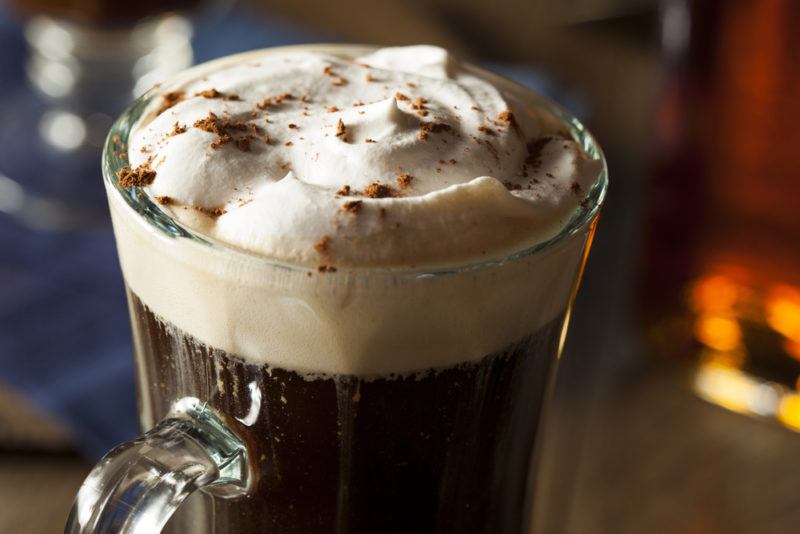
(677, 406)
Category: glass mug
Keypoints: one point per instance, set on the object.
(448, 447)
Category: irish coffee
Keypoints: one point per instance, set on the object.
(363, 261)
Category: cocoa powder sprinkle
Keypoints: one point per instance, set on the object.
(404, 180)
(352, 206)
(506, 117)
(322, 245)
(139, 177)
(223, 128)
(377, 190)
(213, 93)
(208, 123)
(274, 100)
(433, 127)
(341, 130)
(210, 212)
(177, 129)
(170, 99)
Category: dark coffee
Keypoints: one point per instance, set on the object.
(442, 451)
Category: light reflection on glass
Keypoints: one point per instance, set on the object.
(12, 196)
(54, 79)
(739, 392)
(718, 332)
(725, 312)
(714, 294)
(62, 130)
(789, 411)
(54, 41)
(783, 311)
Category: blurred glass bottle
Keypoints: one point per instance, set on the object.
(86, 60)
(722, 273)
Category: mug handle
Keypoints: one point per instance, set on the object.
(136, 487)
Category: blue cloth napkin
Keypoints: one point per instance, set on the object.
(64, 333)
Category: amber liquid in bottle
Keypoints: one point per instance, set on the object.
(722, 273)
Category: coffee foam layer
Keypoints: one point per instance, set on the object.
(402, 157)
(348, 322)
(374, 316)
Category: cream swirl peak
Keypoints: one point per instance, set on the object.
(400, 158)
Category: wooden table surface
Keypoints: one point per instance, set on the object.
(648, 457)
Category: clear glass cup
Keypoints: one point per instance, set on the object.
(445, 448)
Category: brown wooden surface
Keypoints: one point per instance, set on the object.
(36, 491)
(657, 459)
(652, 459)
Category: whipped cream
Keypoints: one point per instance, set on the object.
(402, 157)
(499, 177)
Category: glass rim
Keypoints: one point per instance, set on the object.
(167, 226)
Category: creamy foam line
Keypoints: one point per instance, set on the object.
(306, 157)
(349, 322)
